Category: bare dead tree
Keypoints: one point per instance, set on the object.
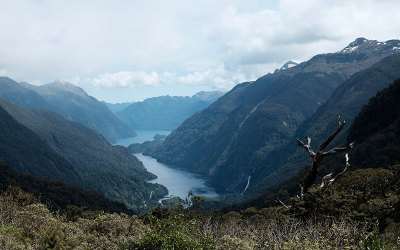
(317, 157)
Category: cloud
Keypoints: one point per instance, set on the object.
(134, 44)
(126, 79)
(219, 78)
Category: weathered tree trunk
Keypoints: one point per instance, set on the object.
(318, 156)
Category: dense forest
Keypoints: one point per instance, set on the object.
(57, 195)
(43, 143)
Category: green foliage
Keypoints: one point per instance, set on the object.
(371, 240)
(173, 232)
(28, 153)
(56, 195)
(365, 195)
(26, 224)
(110, 170)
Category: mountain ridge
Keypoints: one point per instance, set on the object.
(28, 153)
(110, 170)
(224, 141)
(165, 112)
(71, 102)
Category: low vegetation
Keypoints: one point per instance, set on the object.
(359, 211)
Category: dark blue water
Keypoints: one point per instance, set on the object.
(142, 136)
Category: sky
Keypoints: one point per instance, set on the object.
(123, 50)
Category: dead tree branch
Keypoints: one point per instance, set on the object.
(281, 202)
(341, 173)
(327, 180)
(307, 146)
(317, 157)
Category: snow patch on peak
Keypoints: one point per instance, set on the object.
(286, 65)
(349, 49)
(359, 42)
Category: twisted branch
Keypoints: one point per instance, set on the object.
(317, 157)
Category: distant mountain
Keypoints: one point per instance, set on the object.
(347, 101)
(115, 107)
(57, 195)
(231, 140)
(165, 112)
(68, 100)
(208, 96)
(28, 153)
(11, 90)
(109, 170)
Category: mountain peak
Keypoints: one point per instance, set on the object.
(67, 86)
(208, 96)
(356, 44)
(362, 44)
(286, 65)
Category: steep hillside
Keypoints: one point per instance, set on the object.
(57, 194)
(375, 131)
(165, 112)
(76, 105)
(230, 140)
(115, 107)
(346, 101)
(110, 170)
(11, 90)
(28, 153)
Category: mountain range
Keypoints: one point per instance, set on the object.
(164, 112)
(68, 100)
(84, 157)
(239, 141)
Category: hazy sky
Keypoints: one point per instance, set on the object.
(125, 50)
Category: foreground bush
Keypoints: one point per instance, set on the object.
(27, 224)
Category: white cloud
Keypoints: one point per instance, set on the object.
(218, 78)
(126, 80)
(134, 44)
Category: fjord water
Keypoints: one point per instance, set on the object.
(178, 181)
(142, 136)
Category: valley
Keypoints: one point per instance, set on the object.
(178, 181)
(218, 125)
